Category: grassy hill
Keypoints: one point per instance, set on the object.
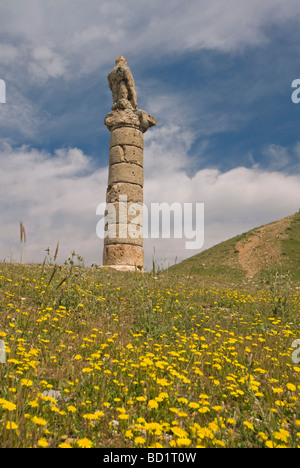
(250, 256)
(106, 359)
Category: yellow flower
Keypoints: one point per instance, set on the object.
(204, 409)
(231, 421)
(263, 436)
(183, 442)
(177, 431)
(7, 405)
(291, 387)
(84, 443)
(182, 400)
(279, 403)
(249, 425)
(141, 398)
(33, 403)
(270, 444)
(163, 382)
(163, 395)
(281, 435)
(64, 445)
(153, 404)
(139, 440)
(72, 409)
(88, 416)
(123, 416)
(39, 421)
(217, 408)
(11, 425)
(26, 382)
(194, 405)
(42, 442)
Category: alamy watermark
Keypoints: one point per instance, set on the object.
(296, 353)
(2, 352)
(2, 92)
(296, 94)
(163, 220)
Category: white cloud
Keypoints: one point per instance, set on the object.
(8, 53)
(46, 63)
(19, 114)
(56, 196)
(73, 38)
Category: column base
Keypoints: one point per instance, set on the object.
(123, 268)
(120, 255)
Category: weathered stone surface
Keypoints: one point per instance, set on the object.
(125, 172)
(116, 155)
(127, 136)
(126, 153)
(121, 84)
(123, 268)
(123, 254)
(122, 117)
(124, 234)
(132, 154)
(133, 192)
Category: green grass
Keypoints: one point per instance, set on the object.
(220, 263)
(291, 247)
(212, 264)
(108, 359)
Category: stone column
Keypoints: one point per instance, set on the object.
(123, 244)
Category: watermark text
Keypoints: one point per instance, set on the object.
(2, 92)
(163, 220)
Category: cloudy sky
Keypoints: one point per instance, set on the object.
(217, 76)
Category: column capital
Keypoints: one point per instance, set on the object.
(135, 118)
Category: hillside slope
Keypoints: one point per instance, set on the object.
(269, 248)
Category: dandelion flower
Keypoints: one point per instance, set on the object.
(42, 442)
(39, 421)
(153, 404)
(72, 409)
(291, 387)
(26, 382)
(84, 443)
(7, 405)
(139, 440)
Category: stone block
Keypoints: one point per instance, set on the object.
(127, 136)
(125, 172)
(133, 192)
(123, 254)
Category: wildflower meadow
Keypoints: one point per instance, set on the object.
(97, 359)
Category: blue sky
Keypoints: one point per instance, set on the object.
(217, 76)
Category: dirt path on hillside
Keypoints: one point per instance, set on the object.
(263, 247)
